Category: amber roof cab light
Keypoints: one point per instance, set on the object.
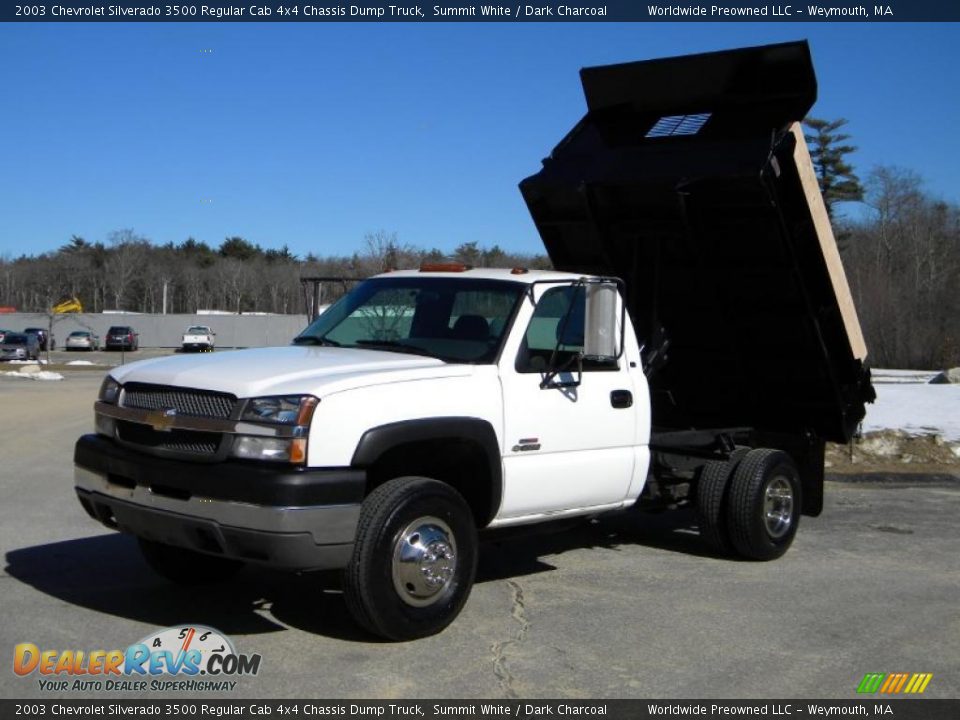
(445, 267)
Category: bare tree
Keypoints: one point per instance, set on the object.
(904, 269)
(125, 263)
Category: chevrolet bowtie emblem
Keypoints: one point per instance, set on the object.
(162, 420)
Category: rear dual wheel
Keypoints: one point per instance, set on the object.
(712, 496)
(750, 507)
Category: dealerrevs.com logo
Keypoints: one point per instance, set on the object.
(180, 658)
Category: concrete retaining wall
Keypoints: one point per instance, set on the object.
(166, 330)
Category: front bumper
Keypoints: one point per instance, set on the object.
(283, 517)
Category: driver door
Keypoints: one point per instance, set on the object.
(569, 447)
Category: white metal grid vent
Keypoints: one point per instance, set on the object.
(671, 125)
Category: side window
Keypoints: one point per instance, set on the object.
(557, 327)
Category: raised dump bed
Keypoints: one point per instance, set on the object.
(690, 179)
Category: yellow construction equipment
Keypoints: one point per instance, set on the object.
(68, 306)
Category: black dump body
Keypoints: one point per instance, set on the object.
(686, 180)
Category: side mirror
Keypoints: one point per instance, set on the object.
(601, 337)
(594, 321)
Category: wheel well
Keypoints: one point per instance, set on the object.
(458, 462)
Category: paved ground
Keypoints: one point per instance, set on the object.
(626, 607)
(60, 358)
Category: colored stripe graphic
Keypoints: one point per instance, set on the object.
(870, 683)
(894, 683)
(889, 682)
(918, 683)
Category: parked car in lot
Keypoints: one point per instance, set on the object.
(19, 346)
(42, 338)
(199, 338)
(82, 340)
(122, 337)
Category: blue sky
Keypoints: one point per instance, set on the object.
(313, 134)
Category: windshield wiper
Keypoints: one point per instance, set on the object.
(395, 346)
(314, 340)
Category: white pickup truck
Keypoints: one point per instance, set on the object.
(198, 338)
(430, 405)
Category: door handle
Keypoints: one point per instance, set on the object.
(621, 398)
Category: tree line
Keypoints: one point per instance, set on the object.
(903, 264)
(129, 272)
(901, 255)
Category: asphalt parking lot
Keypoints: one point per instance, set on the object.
(630, 606)
(107, 358)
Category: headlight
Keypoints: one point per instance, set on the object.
(281, 409)
(255, 447)
(104, 425)
(109, 390)
(292, 411)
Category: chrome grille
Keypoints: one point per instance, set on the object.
(181, 441)
(186, 401)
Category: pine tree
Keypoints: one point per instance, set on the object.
(838, 182)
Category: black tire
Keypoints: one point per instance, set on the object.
(377, 585)
(765, 481)
(187, 567)
(713, 488)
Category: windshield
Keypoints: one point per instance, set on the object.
(11, 339)
(118, 331)
(79, 334)
(453, 319)
(198, 330)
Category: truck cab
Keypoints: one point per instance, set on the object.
(447, 398)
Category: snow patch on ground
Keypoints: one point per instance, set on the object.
(41, 375)
(81, 362)
(916, 409)
(885, 376)
(26, 362)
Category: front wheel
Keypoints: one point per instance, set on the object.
(187, 567)
(764, 504)
(414, 559)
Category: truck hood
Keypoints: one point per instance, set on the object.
(280, 370)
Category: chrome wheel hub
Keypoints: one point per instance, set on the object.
(778, 507)
(424, 561)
